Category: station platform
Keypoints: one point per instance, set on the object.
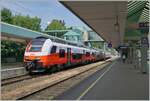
(118, 81)
(11, 65)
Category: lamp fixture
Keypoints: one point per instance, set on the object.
(116, 24)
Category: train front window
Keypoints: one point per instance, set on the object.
(36, 44)
(35, 49)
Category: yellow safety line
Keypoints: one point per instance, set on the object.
(92, 85)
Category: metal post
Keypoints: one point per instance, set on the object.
(144, 55)
(130, 55)
(55, 34)
(104, 47)
(134, 57)
(144, 28)
(139, 57)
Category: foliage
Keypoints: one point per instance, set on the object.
(28, 22)
(32, 23)
(56, 25)
(11, 49)
(6, 15)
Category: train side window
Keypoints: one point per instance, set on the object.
(77, 56)
(61, 53)
(53, 50)
(83, 51)
(93, 53)
(87, 54)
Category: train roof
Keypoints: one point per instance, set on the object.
(59, 40)
(62, 41)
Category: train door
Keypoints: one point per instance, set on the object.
(83, 56)
(69, 55)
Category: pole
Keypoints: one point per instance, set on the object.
(104, 47)
(144, 55)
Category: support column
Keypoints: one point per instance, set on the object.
(144, 28)
(134, 59)
(144, 54)
(130, 55)
(104, 48)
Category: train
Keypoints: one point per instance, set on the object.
(44, 53)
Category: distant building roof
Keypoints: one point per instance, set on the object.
(80, 28)
(93, 36)
(57, 31)
(70, 33)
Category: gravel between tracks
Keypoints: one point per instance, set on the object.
(26, 87)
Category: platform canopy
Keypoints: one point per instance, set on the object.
(18, 34)
(138, 12)
(107, 18)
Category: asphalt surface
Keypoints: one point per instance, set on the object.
(118, 81)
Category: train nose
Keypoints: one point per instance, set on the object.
(34, 66)
(30, 66)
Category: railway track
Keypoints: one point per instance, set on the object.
(16, 79)
(37, 85)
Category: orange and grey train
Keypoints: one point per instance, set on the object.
(43, 54)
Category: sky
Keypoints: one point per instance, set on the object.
(47, 10)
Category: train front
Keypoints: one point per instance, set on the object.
(36, 54)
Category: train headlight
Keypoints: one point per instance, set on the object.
(26, 58)
(37, 58)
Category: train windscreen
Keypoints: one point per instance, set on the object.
(35, 48)
(36, 45)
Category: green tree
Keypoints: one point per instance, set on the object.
(6, 15)
(32, 23)
(12, 49)
(56, 25)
